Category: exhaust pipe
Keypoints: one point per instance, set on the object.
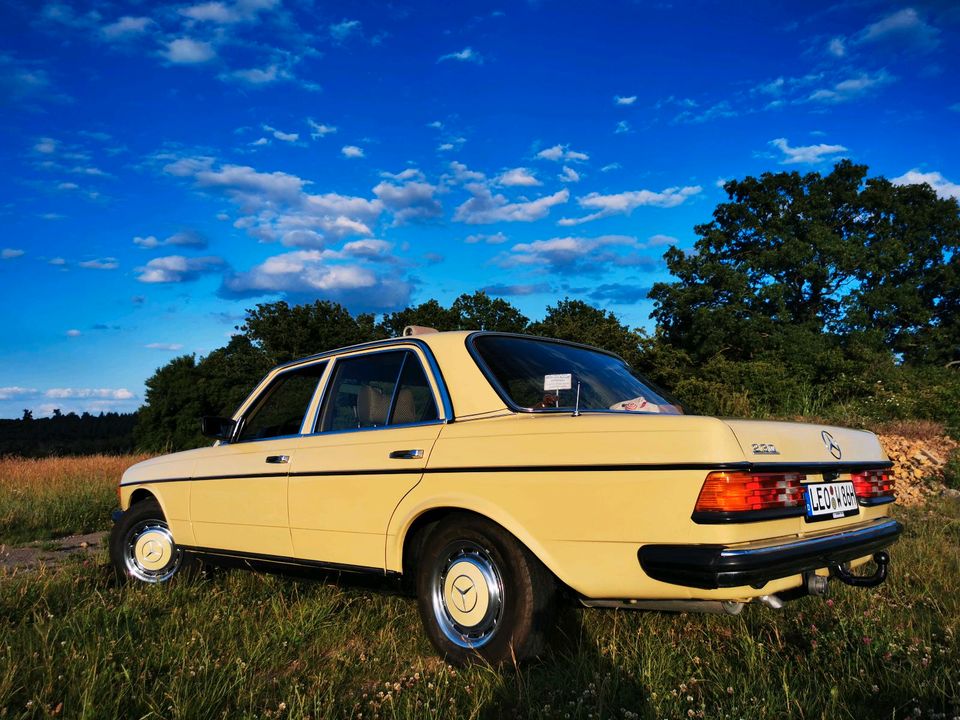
(771, 601)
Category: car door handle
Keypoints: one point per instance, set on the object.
(406, 454)
(278, 459)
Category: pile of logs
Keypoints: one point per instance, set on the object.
(918, 465)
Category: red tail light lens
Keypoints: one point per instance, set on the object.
(872, 484)
(728, 492)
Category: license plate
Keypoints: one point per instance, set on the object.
(826, 501)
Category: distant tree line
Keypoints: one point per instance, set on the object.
(832, 296)
(70, 434)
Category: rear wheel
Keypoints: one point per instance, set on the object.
(142, 546)
(481, 594)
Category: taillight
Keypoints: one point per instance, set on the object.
(741, 492)
(873, 486)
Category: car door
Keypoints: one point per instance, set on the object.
(372, 439)
(238, 498)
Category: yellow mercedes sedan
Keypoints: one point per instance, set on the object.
(497, 474)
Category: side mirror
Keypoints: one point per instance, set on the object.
(218, 428)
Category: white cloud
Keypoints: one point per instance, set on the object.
(260, 142)
(583, 255)
(275, 204)
(943, 187)
(311, 273)
(164, 346)
(411, 200)
(562, 152)
(805, 154)
(186, 51)
(837, 47)
(622, 127)
(14, 392)
(73, 332)
(107, 263)
(904, 27)
(215, 12)
(352, 151)
(185, 238)
(717, 111)
(569, 175)
(621, 100)
(445, 147)
(11, 253)
(58, 261)
(626, 202)
(851, 88)
(611, 166)
(495, 239)
(228, 13)
(466, 55)
(404, 175)
(83, 393)
(319, 130)
(518, 177)
(280, 135)
(177, 268)
(484, 207)
(460, 173)
(46, 146)
(126, 27)
(345, 29)
(660, 241)
(259, 76)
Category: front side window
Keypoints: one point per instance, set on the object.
(377, 390)
(543, 375)
(280, 409)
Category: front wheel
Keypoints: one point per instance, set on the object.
(482, 594)
(142, 546)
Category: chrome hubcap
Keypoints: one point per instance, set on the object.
(467, 594)
(150, 554)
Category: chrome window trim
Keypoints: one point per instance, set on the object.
(508, 401)
(399, 347)
(318, 388)
(332, 355)
(439, 421)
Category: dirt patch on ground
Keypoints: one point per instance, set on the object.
(918, 465)
(50, 552)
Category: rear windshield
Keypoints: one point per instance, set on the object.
(543, 375)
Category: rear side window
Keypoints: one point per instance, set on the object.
(280, 409)
(377, 390)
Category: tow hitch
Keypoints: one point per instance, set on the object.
(882, 560)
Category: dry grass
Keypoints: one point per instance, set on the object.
(925, 430)
(52, 497)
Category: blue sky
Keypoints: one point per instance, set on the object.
(168, 165)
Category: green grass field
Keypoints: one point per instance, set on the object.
(235, 644)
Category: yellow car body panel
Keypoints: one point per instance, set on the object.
(583, 493)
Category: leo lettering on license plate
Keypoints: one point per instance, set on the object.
(826, 501)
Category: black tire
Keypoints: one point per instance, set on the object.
(482, 595)
(142, 547)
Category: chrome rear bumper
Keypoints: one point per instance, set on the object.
(719, 566)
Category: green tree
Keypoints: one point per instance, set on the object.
(482, 312)
(428, 314)
(800, 266)
(287, 332)
(170, 416)
(577, 321)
